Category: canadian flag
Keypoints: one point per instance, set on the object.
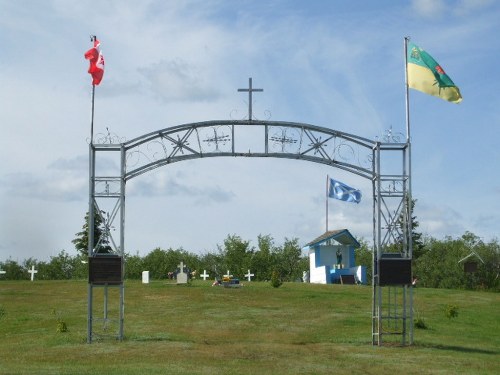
(96, 60)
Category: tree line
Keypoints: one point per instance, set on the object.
(236, 256)
(436, 263)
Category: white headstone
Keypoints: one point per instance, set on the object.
(145, 277)
(182, 277)
(204, 275)
(32, 271)
(249, 275)
(228, 274)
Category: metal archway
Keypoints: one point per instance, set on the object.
(385, 162)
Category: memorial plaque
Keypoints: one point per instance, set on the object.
(106, 270)
(394, 271)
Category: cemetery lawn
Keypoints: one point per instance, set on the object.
(257, 329)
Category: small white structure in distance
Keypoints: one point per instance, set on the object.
(331, 258)
(145, 277)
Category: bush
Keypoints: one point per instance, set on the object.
(276, 279)
(451, 311)
(419, 323)
(61, 324)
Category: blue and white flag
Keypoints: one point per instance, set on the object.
(341, 191)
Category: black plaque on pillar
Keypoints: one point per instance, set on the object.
(106, 269)
(395, 271)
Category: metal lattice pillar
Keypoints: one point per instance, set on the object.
(392, 305)
(106, 268)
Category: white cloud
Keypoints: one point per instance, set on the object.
(429, 8)
(177, 80)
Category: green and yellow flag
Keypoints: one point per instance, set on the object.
(426, 75)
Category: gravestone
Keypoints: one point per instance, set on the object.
(145, 277)
(182, 277)
(32, 271)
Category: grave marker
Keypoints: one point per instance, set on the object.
(249, 275)
(228, 274)
(145, 277)
(32, 271)
(204, 275)
(182, 277)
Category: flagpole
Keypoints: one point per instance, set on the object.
(407, 96)
(408, 142)
(91, 213)
(327, 177)
(409, 200)
(92, 116)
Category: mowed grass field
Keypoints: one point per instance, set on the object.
(257, 329)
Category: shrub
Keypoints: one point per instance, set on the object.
(419, 323)
(276, 279)
(451, 311)
(61, 324)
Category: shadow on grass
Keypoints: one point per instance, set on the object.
(460, 349)
(157, 338)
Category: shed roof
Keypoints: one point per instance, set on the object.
(342, 236)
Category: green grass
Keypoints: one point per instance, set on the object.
(257, 329)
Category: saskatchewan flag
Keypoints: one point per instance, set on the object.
(426, 75)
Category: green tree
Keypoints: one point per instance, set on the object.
(363, 256)
(160, 262)
(438, 267)
(134, 265)
(237, 255)
(13, 271)
(288, 260)
(101, 236)
(212, 263)
(262, 262)
(60, 267)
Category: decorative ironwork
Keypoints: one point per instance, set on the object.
(219, 138)
(108, 138)
(107, 186)
(390, 137)
(281, 139)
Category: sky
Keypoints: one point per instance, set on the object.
(335, 64)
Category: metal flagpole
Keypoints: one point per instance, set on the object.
(327, 178)
(407, 96)
(91, 214)
(409, 191)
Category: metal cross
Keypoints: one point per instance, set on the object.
(250, 90)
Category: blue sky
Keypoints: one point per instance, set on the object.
(336, 64)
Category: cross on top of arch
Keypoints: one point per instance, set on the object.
(250, 90)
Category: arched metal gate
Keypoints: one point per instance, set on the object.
(385, 162)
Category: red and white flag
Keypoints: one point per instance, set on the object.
(96, 60)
